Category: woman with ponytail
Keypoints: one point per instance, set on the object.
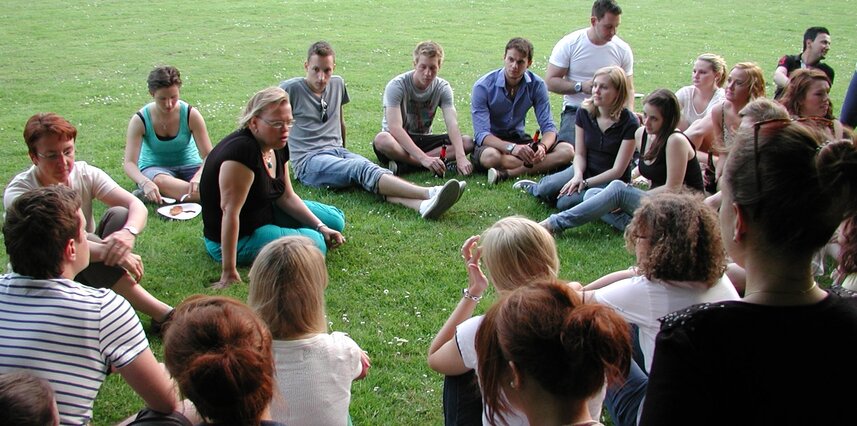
(219, 353)
(766, 358)
(545, 353)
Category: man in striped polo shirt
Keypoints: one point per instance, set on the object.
(64, 332)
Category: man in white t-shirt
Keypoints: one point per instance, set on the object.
(577, 56)
(411, 101)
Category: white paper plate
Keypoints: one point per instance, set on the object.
(189, 211)
(168, 200)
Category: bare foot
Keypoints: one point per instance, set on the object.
(220, 285)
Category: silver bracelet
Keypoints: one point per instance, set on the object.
(319, 226)
(466, 294)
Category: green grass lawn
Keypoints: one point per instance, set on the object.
(396, 280)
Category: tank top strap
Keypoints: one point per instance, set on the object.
(644, 142)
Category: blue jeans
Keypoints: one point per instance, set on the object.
(549, 186)
(339, 168)
(848, 115)
(284, 226)
(462, 400)
(600, 203)
(566, 124)
(625, 401)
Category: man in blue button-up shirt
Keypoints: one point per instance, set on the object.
(499, 106)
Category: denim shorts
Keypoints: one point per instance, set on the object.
(566, 124)
(184, 173)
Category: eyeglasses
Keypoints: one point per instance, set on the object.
(54, 156)
(322, 107)
(278, 124)
(818, 122)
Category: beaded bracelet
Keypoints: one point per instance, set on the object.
(466, 294)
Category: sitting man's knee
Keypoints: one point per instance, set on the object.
(564, 151)
(490, 157)
(382, 141)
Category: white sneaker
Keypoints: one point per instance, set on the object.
(524, 184)
(434, 190)
(461, 185)
(496, 175)
(445, 198)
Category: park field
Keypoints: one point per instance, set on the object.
(398, 277)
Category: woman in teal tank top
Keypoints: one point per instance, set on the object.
(166, 142)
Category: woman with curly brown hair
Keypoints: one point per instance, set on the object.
(680, 262)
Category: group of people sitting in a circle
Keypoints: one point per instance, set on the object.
(718, 321)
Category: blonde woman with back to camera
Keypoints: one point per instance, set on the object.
(315, 368)
(514, 251)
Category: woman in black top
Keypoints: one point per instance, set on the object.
(761, 360)
(668, 160)
(247, 196)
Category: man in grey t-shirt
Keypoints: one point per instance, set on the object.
(317, 142)
(410, 104)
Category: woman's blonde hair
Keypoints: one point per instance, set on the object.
(287, 282)
(718, 65)
(757, 79)
(259, 102)
(763, 109)
(619, 81)
(517, 250)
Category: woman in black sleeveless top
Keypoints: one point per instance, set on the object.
(667, 160)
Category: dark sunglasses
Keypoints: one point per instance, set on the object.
(322, 107)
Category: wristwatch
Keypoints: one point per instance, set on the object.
(134, 231)
(509, 148)
(578, 87)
